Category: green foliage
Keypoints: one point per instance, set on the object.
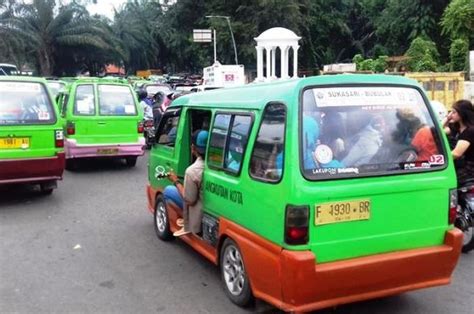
(458, 19)
(423, 55)
(458, 53)
(378, 65)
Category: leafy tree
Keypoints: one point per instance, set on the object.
(458, 52)
(423, 55)
(404, 20)
(458, 19)
(47, 32)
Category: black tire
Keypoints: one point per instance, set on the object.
(161, 220)
(232, 268)
(71, 164)
(468, 244)
(46, 188)
(131, 161)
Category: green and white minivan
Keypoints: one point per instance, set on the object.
(101, 119)
(317, 191)
(31, 134)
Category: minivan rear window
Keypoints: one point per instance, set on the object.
(351, 131)
(116, 100)
(25, 103)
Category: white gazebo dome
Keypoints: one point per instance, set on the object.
(270, 40)
(277, 33)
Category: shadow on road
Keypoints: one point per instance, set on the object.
(100, 164)
(20, 193)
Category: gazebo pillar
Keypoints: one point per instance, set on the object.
(273, 76)
(259, 63)
(295, 61)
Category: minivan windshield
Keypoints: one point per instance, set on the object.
(350, 131)
(24, 103)
(116, 100)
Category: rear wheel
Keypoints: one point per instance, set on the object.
(468, 239)
(234, 277)
(46, 188)
(71, 164)
(162, 223)
(131, 161)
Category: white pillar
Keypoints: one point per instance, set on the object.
(268, 63)
(273, 62)
(295, 61)
(259, 63)
(284, 62)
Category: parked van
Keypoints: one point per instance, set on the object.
(101, 119)
(317, 191)
(31, 135)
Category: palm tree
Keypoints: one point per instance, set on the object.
(47, 31)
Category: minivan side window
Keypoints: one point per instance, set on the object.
(266, 162)
(84, 100)
(218, 140)
(168, 128)
(229, 137)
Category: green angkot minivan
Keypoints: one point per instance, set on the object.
(317, 191)
(101, 119)
(31, 134)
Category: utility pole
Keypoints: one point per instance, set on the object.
(231, 32)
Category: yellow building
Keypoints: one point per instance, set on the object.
(445, 87)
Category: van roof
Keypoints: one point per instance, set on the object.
(256, 96)
(34, 79)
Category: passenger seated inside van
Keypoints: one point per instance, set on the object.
(234, 157)
(366, 143)
(188, 196)
(412, 132)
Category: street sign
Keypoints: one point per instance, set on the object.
(202, 35)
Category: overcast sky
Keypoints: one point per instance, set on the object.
(105, 7)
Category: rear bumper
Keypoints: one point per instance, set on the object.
(32, 169)
(75, 150)
(308, 286)
(293, 280)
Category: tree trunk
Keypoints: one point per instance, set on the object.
(45, 62)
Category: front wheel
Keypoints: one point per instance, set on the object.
(234, 277)
(162, 223)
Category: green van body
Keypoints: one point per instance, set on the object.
(97, 133)
(408, 209)
(40, 157)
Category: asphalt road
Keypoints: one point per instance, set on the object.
(90, 247)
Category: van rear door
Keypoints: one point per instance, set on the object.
(109, 116)
(27, 119)
(375, 163)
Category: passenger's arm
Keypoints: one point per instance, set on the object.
(460, 149)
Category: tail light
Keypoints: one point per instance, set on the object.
(70, 128)
(296, 224)
(453, 205)
(59, 138)
(140, 127)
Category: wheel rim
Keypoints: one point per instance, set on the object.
(160, 216)
(468, 234)
(234, 271)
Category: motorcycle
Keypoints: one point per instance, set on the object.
(465, 215)
(149, 133)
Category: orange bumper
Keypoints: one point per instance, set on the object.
(307, 286)
(293, 281)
